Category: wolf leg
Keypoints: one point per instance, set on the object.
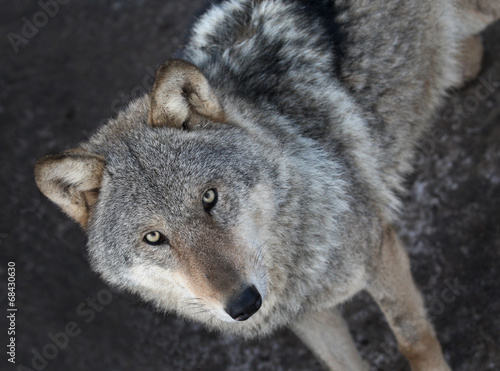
(328, 337)
(476, 15)
(470, 58)
(395, 292)
(473, 17)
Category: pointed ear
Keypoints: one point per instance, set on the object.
(182, 96)
(72, 180)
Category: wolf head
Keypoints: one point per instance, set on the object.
(174, 199)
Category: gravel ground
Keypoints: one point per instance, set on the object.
(81, 64)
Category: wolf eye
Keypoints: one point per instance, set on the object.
(155, 238)
(209, 199)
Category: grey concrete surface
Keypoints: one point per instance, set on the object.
(82, 64)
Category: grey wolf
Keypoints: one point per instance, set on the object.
(256, 186)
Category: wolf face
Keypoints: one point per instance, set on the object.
(183, 230)
(178, 216)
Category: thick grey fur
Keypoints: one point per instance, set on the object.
(324, 103)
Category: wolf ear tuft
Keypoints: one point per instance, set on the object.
(72, 180)
(181, 97)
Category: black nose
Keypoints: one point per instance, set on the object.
(245, 304)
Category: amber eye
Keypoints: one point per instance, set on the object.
(209, 199)
(155, 238)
